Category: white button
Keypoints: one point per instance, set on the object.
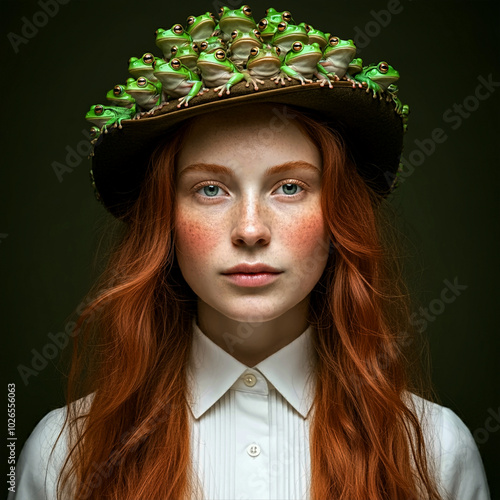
(249, 379)
(253, 450)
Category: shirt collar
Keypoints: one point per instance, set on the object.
(212, 372)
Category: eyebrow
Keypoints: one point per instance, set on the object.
(277, 169)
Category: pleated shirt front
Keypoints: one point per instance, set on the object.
(250, 426)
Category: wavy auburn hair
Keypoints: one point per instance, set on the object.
(131, 438)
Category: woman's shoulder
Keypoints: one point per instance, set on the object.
(452, 451)
(43, 456)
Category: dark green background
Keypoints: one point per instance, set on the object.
(448, 205)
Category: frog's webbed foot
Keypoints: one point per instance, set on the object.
(280, 78)
(220, 89)
(139, 114)
(252, 80)
(304, 80)
(324, 79)
(184, 100)
(357, 84)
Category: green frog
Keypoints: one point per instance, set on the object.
(94, 132)
(218, 71)
(166, 39)
(377, 77)
(337, 55)
(286, 34)
(178, 81)
(264, 62)
(237, 19)
(211, 44)
(269, 24)
(201, 27)
(405, 111)
(316, 36)
(142, 66)
(107, 116)
(119, 97)
(302, 63)
(355, 66)
(241, 45)
(392, 91)
(187, 54)
(146, 93)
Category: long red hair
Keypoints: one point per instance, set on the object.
(131, 437)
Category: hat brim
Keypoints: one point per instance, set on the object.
(371, 128)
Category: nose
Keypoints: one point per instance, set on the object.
(251, 225)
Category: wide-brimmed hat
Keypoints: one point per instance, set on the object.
(369, 117)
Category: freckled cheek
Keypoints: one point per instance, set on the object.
(195, 239)
(305, 234)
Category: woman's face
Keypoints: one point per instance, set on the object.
(248, 193)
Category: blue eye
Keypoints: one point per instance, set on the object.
(290, 188)
(211, 190)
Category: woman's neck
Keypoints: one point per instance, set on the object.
(249, 341)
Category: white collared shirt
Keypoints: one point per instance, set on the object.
(250, 431)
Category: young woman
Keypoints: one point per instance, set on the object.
(250, 337)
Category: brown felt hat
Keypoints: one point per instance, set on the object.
(371, 128)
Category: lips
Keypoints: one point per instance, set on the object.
(257, 268)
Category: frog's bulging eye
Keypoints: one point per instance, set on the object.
(278, 50)
(190, 20)
(297, 47)
(267, 12)
(203, 45)
(141, 81)
(175, 63)
(148, 58)
(307, 27)
(286, 16)
(155, 63)
(256, 32)
(221, 11)
(173, 50)
(156, 33)
(247, 10)
(282, 27)
(213, 17)
(98, 110)
(220, 55)
(234, 34)
(262, 24)
(254, 51)
(195, 47)
(178, 29)
(118, 90)
(383, 67)
(333, 41)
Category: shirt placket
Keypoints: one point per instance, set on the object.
(251, 395)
